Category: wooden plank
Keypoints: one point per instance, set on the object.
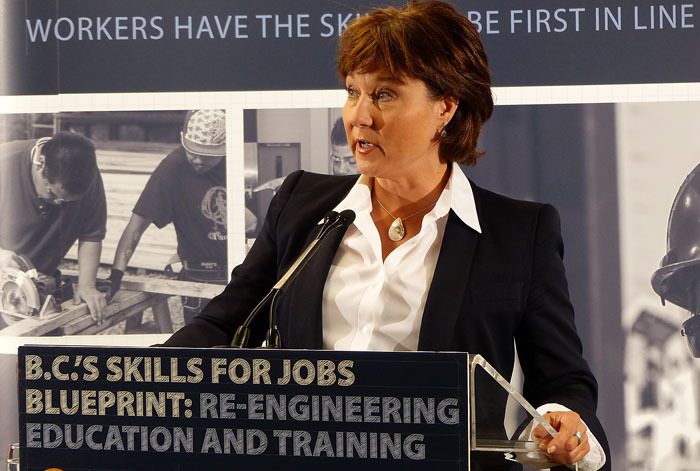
(132, 157)
(87, 326)
(154, 251)
(79, 327)
(125, 175)
(165, 286)
(36, 327)
(162, 317)
(171, 287)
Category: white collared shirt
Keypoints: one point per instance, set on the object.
(375, 304)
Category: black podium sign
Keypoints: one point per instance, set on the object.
(177, 409)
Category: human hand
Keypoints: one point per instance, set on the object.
(95, 300)
(566, 447)
(115, 278)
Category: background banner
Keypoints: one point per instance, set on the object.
(76, 46)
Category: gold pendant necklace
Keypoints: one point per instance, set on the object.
(397, 231)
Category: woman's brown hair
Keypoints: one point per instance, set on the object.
(433, 42)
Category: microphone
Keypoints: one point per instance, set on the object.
(331, 221)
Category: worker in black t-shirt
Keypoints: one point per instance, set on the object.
(188, 189)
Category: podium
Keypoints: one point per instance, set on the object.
(180, 408)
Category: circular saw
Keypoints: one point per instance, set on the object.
(25, 293)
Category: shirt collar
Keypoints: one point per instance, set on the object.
(457, 196)
(462, 198)
(359, 198)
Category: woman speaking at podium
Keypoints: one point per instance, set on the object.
(431, 261)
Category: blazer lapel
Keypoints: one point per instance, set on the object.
(449, 284)
(305, 300)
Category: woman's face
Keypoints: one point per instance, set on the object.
(392, 124)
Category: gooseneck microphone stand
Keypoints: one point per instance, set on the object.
(332, 220)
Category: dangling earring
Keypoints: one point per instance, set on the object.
(443, 131)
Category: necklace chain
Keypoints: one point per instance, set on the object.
(410, 215)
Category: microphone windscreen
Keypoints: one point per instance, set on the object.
(347, 216)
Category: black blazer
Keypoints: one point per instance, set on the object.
(506, 283)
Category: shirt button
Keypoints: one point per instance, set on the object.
(366, 329)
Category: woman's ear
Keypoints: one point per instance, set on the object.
(448, 107)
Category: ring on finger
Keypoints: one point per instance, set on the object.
(579, 436)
